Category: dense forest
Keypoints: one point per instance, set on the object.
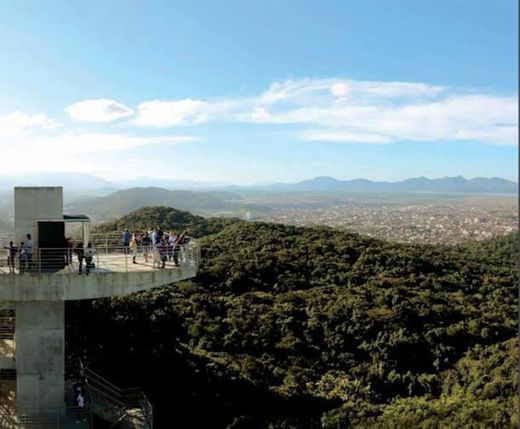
(288, 327)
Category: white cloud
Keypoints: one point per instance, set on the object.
(349, 110)
(98, 110)
(322, 90)
(19, 123)
(34, 143)
(260, 114)
(345, 136)
(160, 113)
(339, 89)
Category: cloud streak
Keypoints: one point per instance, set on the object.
(353, 111)
(100, 110)
(36, 143)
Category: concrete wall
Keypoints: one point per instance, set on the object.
(65, 287)
(32, 203)
(40, 356)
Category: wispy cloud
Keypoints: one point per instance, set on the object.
(353, 111)
(331, 110)
(98, 110)
(35, 143)
(345, 136)
(157, 113)
(161, 113)
(18, 123)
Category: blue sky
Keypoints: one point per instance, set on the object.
(264, 91)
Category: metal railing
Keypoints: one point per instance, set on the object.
(28, 418)
(102, 257)
(7, 320)
(115, 403)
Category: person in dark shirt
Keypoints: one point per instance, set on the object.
(11, 254)
(126, 240)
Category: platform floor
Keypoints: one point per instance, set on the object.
(105, 263)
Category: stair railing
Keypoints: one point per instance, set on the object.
(105, 394)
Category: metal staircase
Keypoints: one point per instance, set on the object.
(125, 408)
(7, 320)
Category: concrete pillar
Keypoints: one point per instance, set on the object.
(40, 356)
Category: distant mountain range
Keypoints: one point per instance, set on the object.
(125, 201)
(459, 184)
(85, 183)
(76, 181)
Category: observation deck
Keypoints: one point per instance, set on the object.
(54, 273)
(40, 269)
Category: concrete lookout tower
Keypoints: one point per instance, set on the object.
(44, 274)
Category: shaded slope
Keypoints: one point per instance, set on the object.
(351, 329)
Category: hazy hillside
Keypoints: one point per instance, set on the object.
(125, 201)
(457, 184)
(70, 181)
(288, 327)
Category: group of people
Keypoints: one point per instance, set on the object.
(155, 245)
(25, 255)
(84, 254)
(160, 245)
(50, 258)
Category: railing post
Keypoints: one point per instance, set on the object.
(106, 243)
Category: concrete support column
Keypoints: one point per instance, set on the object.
(40, 356)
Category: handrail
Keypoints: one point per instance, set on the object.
(55, 417)
(113, 258)
(124, 400)
(91, 375)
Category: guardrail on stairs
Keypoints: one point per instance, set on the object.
(114, 404)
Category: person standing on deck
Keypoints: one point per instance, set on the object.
(23, 258)
(80, 252)
(11, 254)
(29, 250)
(126, 240)
(133, 248)
(89, 256)
(146, 246)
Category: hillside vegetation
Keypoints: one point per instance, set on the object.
(288, 327)
(167, 219)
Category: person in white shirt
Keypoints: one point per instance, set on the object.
(89, 256)
(171, 244)
(29, 251)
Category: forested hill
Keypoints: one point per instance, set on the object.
(167, 219)
(288, 327)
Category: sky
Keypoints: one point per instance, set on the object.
(248, 92)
